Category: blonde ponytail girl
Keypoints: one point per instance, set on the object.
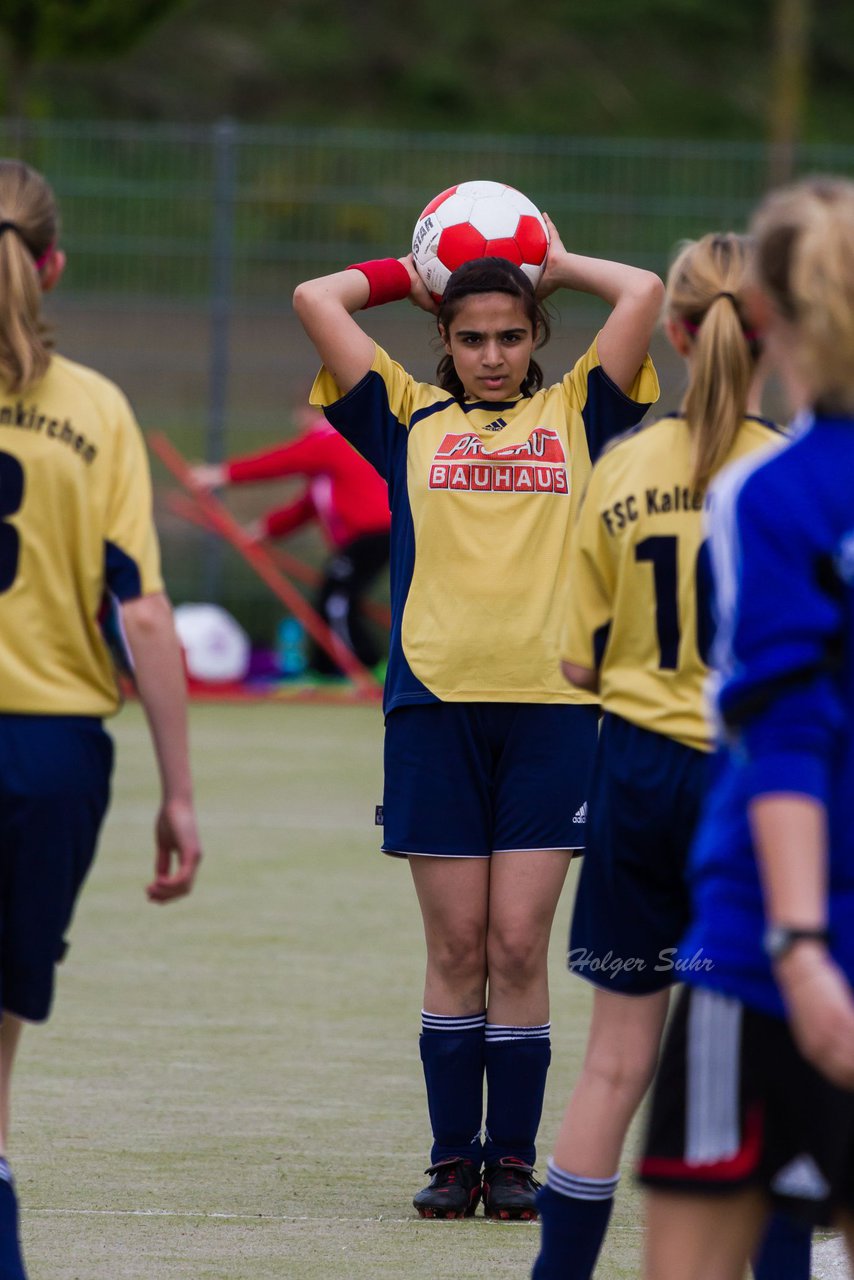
(28, 231)
(705, 297)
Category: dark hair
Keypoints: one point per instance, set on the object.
(491, 275)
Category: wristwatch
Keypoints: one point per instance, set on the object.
(779, 939)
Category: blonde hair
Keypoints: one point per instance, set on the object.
(805, 264)
(28, 209)
(705, 288)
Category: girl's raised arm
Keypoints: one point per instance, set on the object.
(636, 297)
(325, 308)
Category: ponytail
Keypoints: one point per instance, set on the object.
(805, 263)
(28, 229)
(704, 295)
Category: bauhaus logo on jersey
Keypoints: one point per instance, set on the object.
(537, 465)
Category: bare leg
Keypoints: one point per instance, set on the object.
(453, 894)
(694, 1237)
(619, 1063)
(523, 895)
(524, 892)
(10, 1035)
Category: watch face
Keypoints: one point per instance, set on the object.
(778, 939)
(775, 941)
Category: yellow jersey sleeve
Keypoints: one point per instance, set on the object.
(605, 410)
(375, 413)
(591, 572)
(131, 550)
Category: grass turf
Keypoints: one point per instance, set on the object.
(230, 1086)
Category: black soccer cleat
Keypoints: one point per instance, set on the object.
(510, 1190)
(453, 1192)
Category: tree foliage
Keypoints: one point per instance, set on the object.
(42, 31)
(617, 67)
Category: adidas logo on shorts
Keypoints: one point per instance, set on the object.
(581, 815)
(801, 1179)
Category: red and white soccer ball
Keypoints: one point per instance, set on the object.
(478, 220)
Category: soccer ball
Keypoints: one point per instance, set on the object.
(216, 648)
(478, 220)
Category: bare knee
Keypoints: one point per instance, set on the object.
(457, 959)
(618, 1070)
(516, 959)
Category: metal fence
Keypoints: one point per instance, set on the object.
(184, 244)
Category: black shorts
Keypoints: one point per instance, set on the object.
(632, 905)
(54, 788)
(736, 1105)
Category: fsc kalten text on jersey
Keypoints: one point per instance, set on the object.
(28, 418)
(652, 502)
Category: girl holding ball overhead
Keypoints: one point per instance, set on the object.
(487, 750)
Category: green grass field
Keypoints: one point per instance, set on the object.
(230, 1086)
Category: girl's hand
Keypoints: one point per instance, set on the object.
(255, 530)
(553, 275)
(419, 294)
(820, 1005)
(209, 475)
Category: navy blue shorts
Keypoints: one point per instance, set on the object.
(632, 904)
(469, 779)
(54, 789)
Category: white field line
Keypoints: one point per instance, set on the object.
(829, 1261)
(410, 1220)
(178, 1213)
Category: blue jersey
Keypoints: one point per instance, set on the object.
(783, 557)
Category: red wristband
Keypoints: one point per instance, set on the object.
(388, 280)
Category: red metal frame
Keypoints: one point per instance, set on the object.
(220, 521)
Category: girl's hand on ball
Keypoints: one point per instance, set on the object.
(419, 294)
(554, 261)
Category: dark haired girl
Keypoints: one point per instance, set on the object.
(487, 749)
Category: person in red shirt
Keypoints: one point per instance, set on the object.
(347, 498)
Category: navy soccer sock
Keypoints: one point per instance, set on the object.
(11, 1262)
(574, 1214)
(452, 1057)
(785, 1251)
(517, 1063)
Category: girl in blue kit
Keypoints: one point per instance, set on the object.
(637, 631)
(487, 750)
(754, 1100)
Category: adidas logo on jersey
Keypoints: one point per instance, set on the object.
(581, 815)
(497, 425)
(801, 1179)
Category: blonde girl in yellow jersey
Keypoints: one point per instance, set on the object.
(76, 532)
(638, 633)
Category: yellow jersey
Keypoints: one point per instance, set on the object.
(75, 524)
(483, 497)
(637, 611)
